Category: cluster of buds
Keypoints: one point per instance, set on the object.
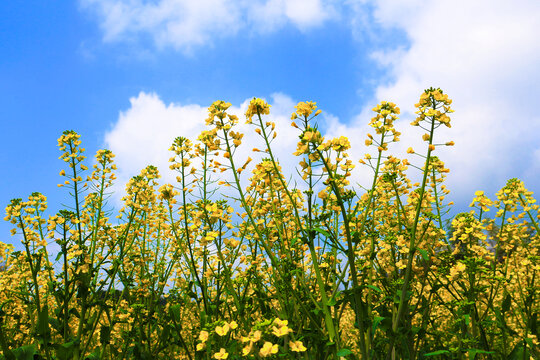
(256, 107)
(218, 116)
(309, 136)
(304, 111)
(103, 170)
(69, 144)
(514, 194)
(139, 189)
(383, 123)
(434, 105)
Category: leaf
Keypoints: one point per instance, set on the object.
(473, 352)
(322, 231)
(105, 335)
(25, 352)
(506, 303)
(58, 256)
(424, 254)
(43, 330)
(165, 333)
(95, 355)
(519, 352)
(65, 351)
(344, 352)
(376, 322)
(467, 319)
(175, 312)
(373, 287)
(438, 352)
(331, 302)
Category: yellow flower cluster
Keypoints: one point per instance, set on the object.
(257, 107)
(433, 107)
(304, 110)
(302, 275)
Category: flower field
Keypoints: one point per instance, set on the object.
(274, 269)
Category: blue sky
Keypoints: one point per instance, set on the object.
(132, 75)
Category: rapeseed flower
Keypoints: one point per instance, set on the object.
(268, 349)
(281, 331)
(222, 330)
(297, 346)
(222, 354)
(257, 106)
(203, 336)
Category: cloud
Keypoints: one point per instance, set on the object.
(185, 24)
(485, 55)
(143, 134)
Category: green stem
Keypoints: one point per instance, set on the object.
(412, 246)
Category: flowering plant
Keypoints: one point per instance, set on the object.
(318, 271)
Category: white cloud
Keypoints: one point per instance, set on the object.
(143, 134)
(485, 55)
(184, 24)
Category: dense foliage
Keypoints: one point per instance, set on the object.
(315, 270)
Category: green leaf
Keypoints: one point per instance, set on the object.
(438, 352)
(65, 351)
(519, 352)
(506, 303)
(43, 330)
(25, 352)
(344, 352)
(105, 335)
(175, 312)
(58, 256)
(424, 254)
(322, 231)
(95, 355)
(373, 287)
(467, 319)
(376, 322)
(473, 352)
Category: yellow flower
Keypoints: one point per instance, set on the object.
(222, 330)
(268, 349)
(233, 324)
(247, 349)
(203, 336)
(297, 346)
(201, 346)
(222, 354)
(456, 270)
(305, 109)
(281, 331)
(257, 106)
(256, 336)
